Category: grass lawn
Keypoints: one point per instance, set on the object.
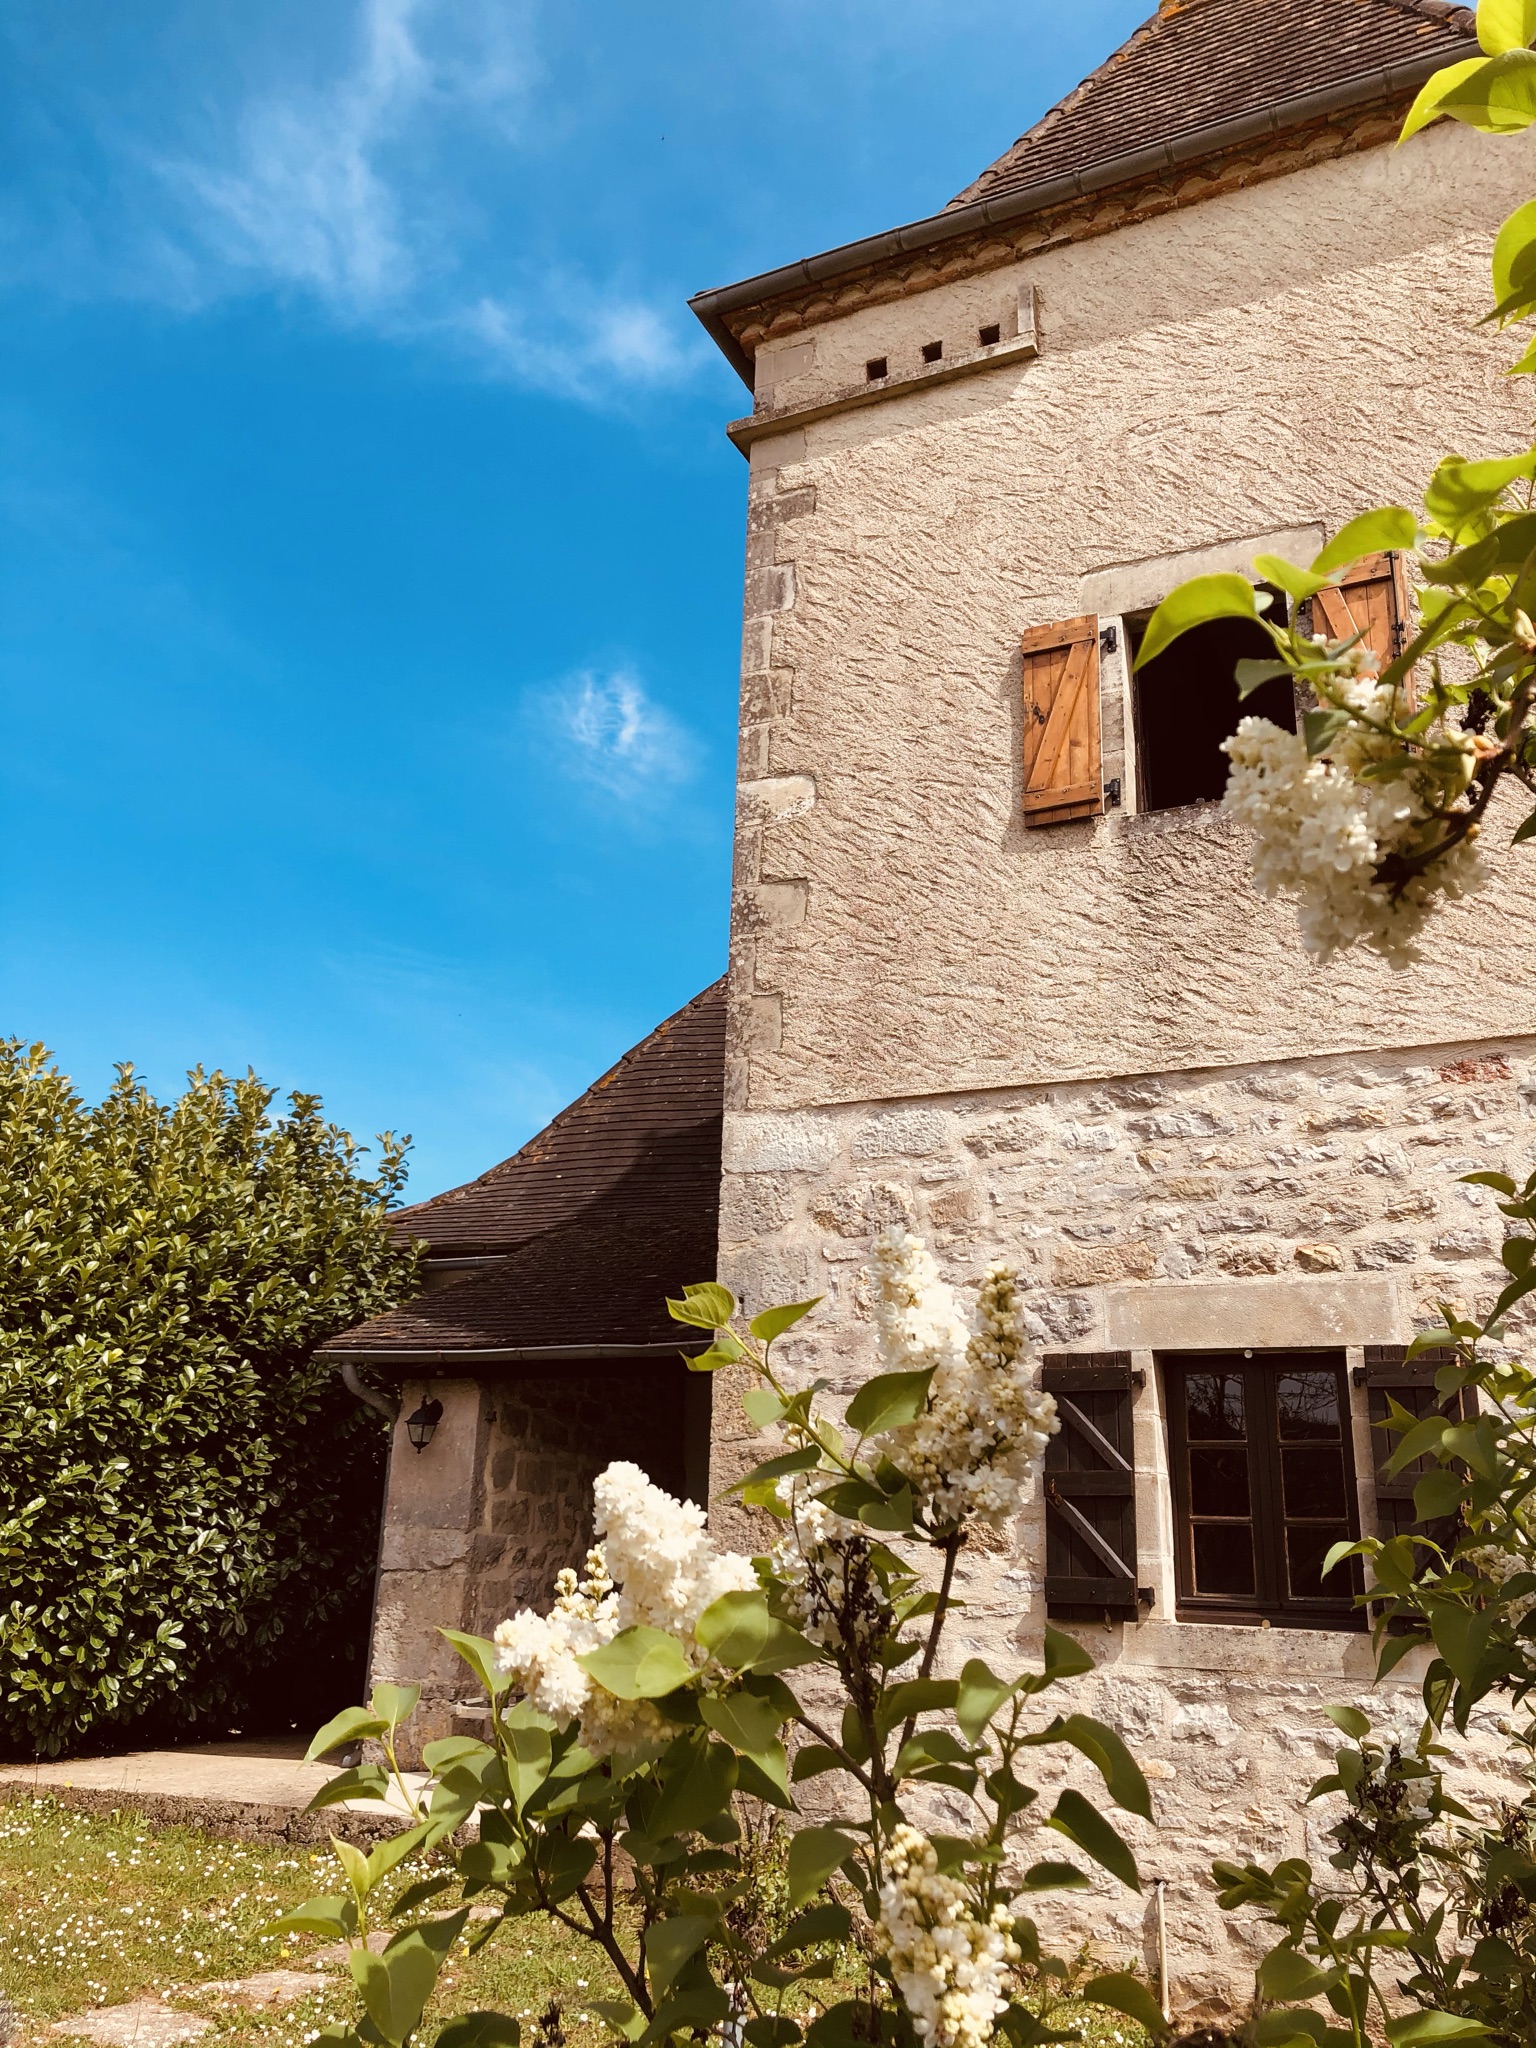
(97, 1911)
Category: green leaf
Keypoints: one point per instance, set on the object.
(1297, 583)
(669, 1944)
(893, 1516)
(480, 2030)
(1321, 728)
(1460, 491)
(806, 1459)
(628, 2024)
(639, 1664)
(365, 1781)
(1065, 1656)
(1124, 1993)
(1054, 1877)
(1461, 1637)
(1354, 1724)
(1430, 104)
(697, 1781)
(773, 1322)
(726, 1351)
(1286, 1973)
(739, 1632)
(1430, 2029)
(1438, 1493)
(529, 1755)
(1116, 1766)
(981, 1694)
(336, 1918)
(766, 1777)
(1373, 533)
(480, 1655)
(395, 1703)
(914, 1696)
(1498, 97)
(388, 1856)
(442, 1755)
(706, 1305)
(814, 1853)
(762, 1407)
(352, 1724)
(1081, 1822)
(1505, 25)
(748, 1724)
(889, 1400)
(1203, 598)
(397, 1984)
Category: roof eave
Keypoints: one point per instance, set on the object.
(411, 1359)
(1382, 82)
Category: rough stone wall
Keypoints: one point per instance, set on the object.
(478, 1524)
(1274, 1204)
(1272, 359)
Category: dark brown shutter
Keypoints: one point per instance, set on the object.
(1090, 1486)
(1373, 600)
(1388, 1370)
(1062, 778)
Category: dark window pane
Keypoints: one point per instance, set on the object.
(1223, 1558)
(1314, 1482)
(1213, 1404)
(1187, 704)
(1218, 1481)
(1305, 1549)
(1307, 1404)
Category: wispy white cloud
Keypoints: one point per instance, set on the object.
(607, 731)
(358, 174)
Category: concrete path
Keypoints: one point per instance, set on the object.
(256, 1790)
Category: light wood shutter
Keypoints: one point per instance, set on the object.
(1090, 1487)
(1373, 600)
(1388, 1370)
(1061, 723)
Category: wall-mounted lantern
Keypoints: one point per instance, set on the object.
(421, 1425)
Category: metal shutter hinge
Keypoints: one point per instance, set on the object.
(1109, 638)
(1112, 794)
(1145, 1596)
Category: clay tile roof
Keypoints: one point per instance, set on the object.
(1201, 61)
(609, 1209)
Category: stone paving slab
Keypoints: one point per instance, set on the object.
(256, 1791)
(146, 2023)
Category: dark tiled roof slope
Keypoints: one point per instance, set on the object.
(1201, 61)
(611, 1208)
(659, 1109)
(599, 1280)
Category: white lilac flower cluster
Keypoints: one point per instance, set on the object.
(821, 1564)
(968, 1454)
(1321, 832)
(950, 1968)
(1500, 1565)
(653, 1565)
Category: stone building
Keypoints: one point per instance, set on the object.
(544, 1340)
(998, 970)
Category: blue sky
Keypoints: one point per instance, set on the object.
(370, 551)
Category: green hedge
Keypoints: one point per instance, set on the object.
(188, 1503)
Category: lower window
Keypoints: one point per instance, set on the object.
(1263, 1485)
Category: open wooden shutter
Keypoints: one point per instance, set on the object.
(1373, 600)
(1061, 723)
(1090, 1487)
(1388, 1370)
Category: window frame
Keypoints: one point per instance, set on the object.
(1268, 1604)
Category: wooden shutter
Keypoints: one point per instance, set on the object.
(1388, 1370)
(1090, 1487)
(1061, 723)
(1373, 600)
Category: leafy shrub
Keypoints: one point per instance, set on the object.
(188, 1502)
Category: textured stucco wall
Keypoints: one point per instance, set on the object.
(1092, 1050)
(1275, 358)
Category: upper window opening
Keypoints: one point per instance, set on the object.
(987, 337)
(875, 368)
(1264, 1485)
(933, 351)
(1187, 704)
